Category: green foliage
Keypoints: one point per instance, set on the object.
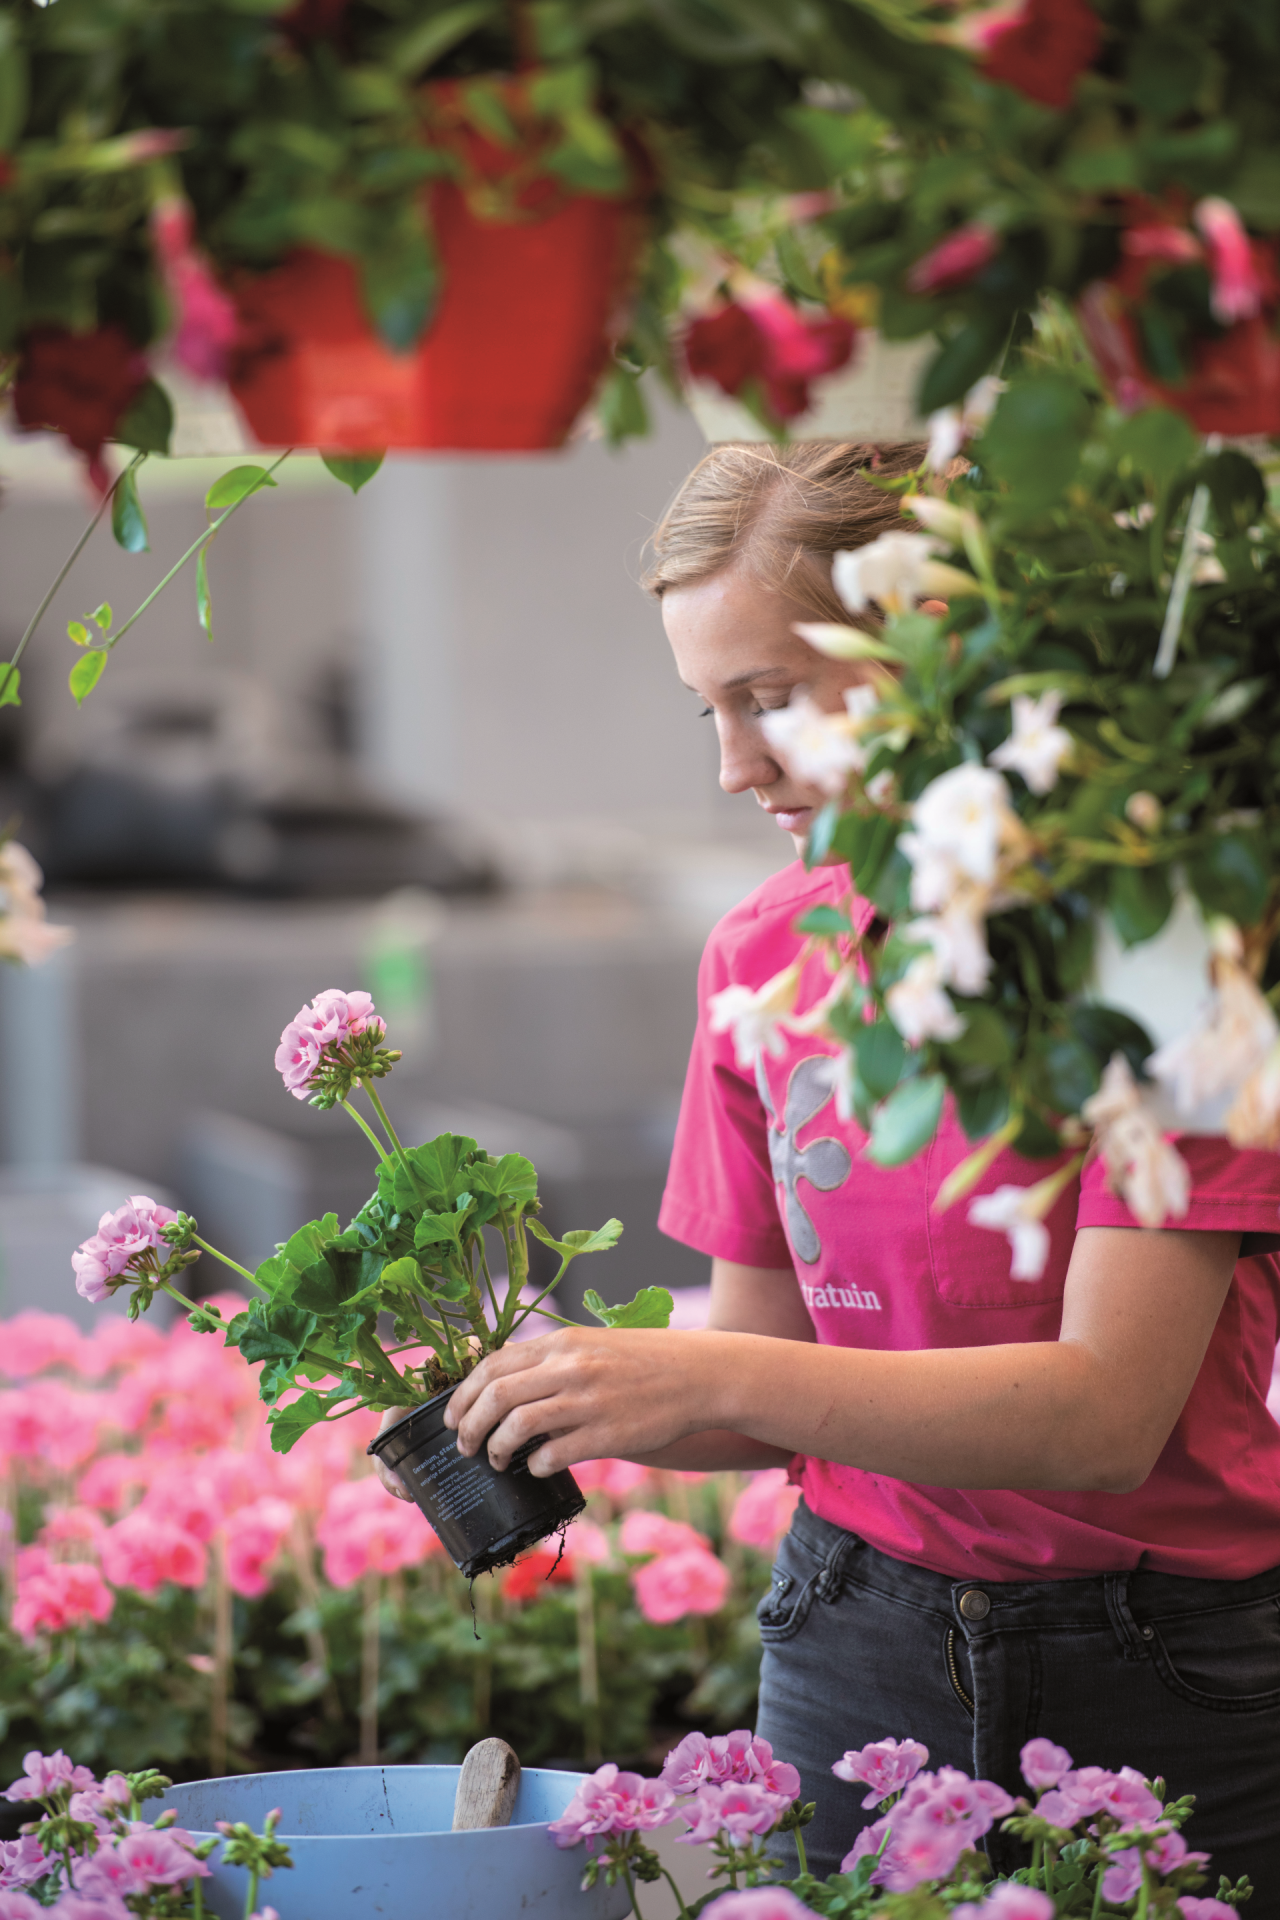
(128, 522)
(650, 1308)
(355, 470)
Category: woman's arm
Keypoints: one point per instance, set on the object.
(1089, 1411)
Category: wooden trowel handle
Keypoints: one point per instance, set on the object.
(487, 1787)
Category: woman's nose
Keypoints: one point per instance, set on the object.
(745, 760)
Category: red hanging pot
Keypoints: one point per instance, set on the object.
(1233, 383)
(534, 280)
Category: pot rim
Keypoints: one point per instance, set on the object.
(379, 1440)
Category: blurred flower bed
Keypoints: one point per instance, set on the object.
(178, 1595)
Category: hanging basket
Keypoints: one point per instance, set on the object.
(1233, 383)
(534, 283)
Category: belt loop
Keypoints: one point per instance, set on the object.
(831, 1579)
(1115, 1588)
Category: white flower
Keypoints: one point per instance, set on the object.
(1253, 1119)
(1037, 746)
(1234, 1038)
(1208, 572)
(1137, 517)
(1013, 1211)
(840, 1071)
(822, 749)
(950, 523)
(895, 571)
(919, 1008)
(958, 937)
(1142, 1166)
(964, 815)
(755, 1015)
(950, 427)
(880, 788)
(1143, 810)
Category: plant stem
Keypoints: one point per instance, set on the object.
(191, 551)
(369, 1649)
(251, 1896)
(535, 1306)
(381, 1112)
(800, 1852)
(1171, 631)
(631, 1889)
(74, 555)
(220, 1679)
(1097, 1892)
(365, 1129)
(227, 1261)
(684, 1911)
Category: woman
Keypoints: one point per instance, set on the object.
(1029, 1508)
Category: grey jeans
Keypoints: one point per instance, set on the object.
(1170, 1675)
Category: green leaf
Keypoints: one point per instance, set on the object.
(1230, 876)
(1236, 487)
(982, 1107)
(1069, 1074)
(308, 1244)
(204, 604)
(579, 1239)
(288, 1424)
(403, 1275)
(1034, 439)
(964, 359)
(102, 616)
(148, 421)
(650, 1308)
(10, 681)
(413, 51)
(882, 1053)
(77, 631)
(236, 485)
(275, 1331)
(14, 87)
(621, 408)
(986, 1041)
(1139, 900)
(907, 1121)
(86, 673)
(1105, 1030)
(825, 920)
(355, 470)
(1159, 443)
(796, 268)
(511, 1180)
(128, 522)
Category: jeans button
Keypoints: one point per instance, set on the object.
(975, 1604)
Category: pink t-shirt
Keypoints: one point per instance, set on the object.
(765, 1173)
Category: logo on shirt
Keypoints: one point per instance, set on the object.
(832, 1296)
(824, 1163)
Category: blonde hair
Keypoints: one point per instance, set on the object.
(781, 511)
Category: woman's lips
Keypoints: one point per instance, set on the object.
(793, 819)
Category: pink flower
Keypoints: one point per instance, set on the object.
(21, 1862)
(764, 338)
(758, 1903)
(741, 1757)
(920, 1849)
(156, 1859)
(1090, 1790)
(1040, 47)
(739, 1810)
(617, 1478)
(1161, 240)
(108, 1481)
(1206, 1909)
(613, 1802)
(20, 1906)
(870, 1840)
(89, 1906)
(1123, 1876)
(1237, 287)
(763, 1510)
(692, 1581)
(254, 1535)
(644, 1531)
(1043, 1764)
(35, 1341)
(937, 1818)
(206, 321)
(885, 1766)
(45, 1774)
(1009, 1901)
(955, 260)
(132, 1230)
(65, 1595)
(325, 1023)
(364, 1530)
(143, 1552)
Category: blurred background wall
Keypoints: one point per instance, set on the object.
(437, 748)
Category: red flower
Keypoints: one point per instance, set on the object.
(1043, 49)
(955, 260)
(77, 384)
(527, 1578)
(769, 341)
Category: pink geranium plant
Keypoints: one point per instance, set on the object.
(415, 1254)
(1101, 1841)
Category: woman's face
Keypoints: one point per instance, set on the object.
(734, 648)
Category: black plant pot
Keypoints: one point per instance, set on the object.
(484, 1518)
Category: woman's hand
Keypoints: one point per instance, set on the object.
(596, 1394)
(391, 1481)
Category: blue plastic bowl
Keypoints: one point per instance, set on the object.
(376, 1841)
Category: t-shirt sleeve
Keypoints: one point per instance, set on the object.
(1232, 1190)
(720, 1196)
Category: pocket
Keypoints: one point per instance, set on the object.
(971, 1264)
(1227, 1660)
(785, 1607)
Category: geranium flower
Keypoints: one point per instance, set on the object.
(66, 1594)
(755, 1015)
(918, 1006)
(365, 1530)
(1008, 1901)
(610, 1801)
(34, 1341)
(1039, 47)
(764, 1510)
(1193, 1908)
(319, 1031)
(1043, 1764)
(885, 1766)
(122, 1241)
(741, 1757)
(533, 1573)
(742, 1810)
(1037, 746)
(955, 260)
(675, 1584)
(46, 1774)
(144, 1552)
(758, 1903)
(21, 1862)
